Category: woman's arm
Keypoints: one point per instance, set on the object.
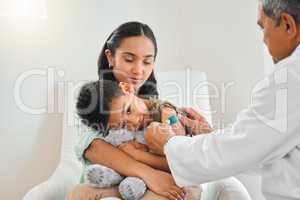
(100, 152)
(162, 183)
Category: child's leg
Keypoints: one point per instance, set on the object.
(101, 176)
(132, 188)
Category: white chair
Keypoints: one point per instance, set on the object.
(67, 173)
(175, 86)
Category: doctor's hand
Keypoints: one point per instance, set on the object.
(195, 122)
(157, 135)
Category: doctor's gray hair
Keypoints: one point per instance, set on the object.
(274, 8)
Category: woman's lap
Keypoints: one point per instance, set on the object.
(225, 189)
(83, 192)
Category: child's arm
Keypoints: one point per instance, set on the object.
(143, 156)
(162, 183)
(155, 161)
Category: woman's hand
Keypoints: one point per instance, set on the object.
(163, 184)
(195, 122)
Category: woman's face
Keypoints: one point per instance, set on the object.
(133, 61)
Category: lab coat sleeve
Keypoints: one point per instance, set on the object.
(262, 133)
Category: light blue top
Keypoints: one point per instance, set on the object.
(115, 138)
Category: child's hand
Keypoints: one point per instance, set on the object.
(139, 146)
(166, 112)
(178, 128)
(129, 149)
(133, 149)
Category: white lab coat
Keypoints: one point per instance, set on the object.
(265, 136)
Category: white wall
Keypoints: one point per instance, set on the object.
(217, 37)
(222, 39)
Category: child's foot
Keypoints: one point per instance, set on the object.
(132, 188)
(101, 176)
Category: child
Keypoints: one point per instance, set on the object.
(108, 107)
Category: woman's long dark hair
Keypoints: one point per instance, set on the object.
(129, 29)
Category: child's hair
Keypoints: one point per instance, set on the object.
(94, 103)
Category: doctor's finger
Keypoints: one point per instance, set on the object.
(194, 114)
(196, 127)
(188, 122)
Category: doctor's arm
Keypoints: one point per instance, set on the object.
(255, 138)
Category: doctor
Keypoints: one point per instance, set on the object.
(266, 136)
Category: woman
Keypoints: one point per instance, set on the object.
(128, 56)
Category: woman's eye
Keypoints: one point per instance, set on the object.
(148, 62)
(129, 59)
